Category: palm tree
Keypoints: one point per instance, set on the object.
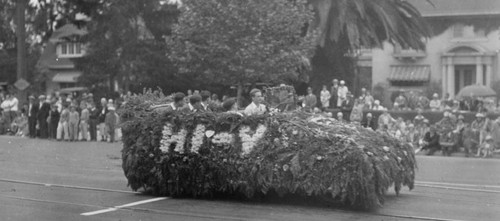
(347, 25)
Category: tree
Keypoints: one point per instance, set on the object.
(348, 25)
(126, 42)
(232, 42)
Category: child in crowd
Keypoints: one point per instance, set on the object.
(486, 148)
(74, 118)
(53, 121)
(20, 124)
(63, 127)
(84, 122)
(111, 121)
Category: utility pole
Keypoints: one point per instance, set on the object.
(21, 83)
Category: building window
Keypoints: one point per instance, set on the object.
(458, 31)
(70, 49)
(67, 85)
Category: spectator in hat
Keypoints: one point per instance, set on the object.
(435, 103)
(386, 119)
(369, 100)
(20, 124)
(256, 107)
(357, 111)
(32, 116)
(84, 122)
(103, 110)
(369, 122)
(480, 126)
(348, 102)
(422, 102)
(325, 97)
(63, 126)
(74, 119)
(342, 93)
(93, 121)
(486, 148)
(54, 116)
(43, 114)
(400, 102)
(377, 106)
(495, 132)
(334, 93)
(419, 118)
(310, 101)
(411, 135)
(431, 141)
(111, 122)
(340, 116)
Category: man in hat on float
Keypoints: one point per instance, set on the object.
(256, 107)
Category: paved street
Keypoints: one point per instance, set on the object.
(45, 180)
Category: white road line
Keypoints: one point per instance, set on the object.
(123, 206)
(99, 212)
(458, 184)
(66, 186)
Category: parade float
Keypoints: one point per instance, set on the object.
(206, 155)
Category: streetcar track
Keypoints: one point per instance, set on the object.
(201, 215)
(68, 186)
(217, 217)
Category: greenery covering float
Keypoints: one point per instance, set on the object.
(213, 154)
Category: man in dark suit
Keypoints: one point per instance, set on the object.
(194, 105)
(431, 141)
(369, 122)
(349, 102)
(42, 116)
(33, 108)
(333, 92)
(93, 121)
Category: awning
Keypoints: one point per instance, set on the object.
(66, 77)
(415, 73)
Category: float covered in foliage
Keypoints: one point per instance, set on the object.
(213, 154)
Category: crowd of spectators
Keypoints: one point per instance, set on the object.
(61, 117)
(451, 133)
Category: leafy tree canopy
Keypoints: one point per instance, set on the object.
(126, 42)
(240, 41)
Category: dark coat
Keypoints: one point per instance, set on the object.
(432, 141)
(43, 113)
(102, 116)
(369, 123)
(33, 113)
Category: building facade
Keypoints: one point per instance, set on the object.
(55, 62)
(464, 50)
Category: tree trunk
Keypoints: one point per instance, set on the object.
(21, 48)
(239, 94)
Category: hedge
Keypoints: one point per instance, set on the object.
(432, 116)
(213, 154)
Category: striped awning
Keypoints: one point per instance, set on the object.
(415, 73)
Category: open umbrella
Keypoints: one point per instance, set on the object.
(477, 91)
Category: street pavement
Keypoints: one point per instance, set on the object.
(48, 180)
